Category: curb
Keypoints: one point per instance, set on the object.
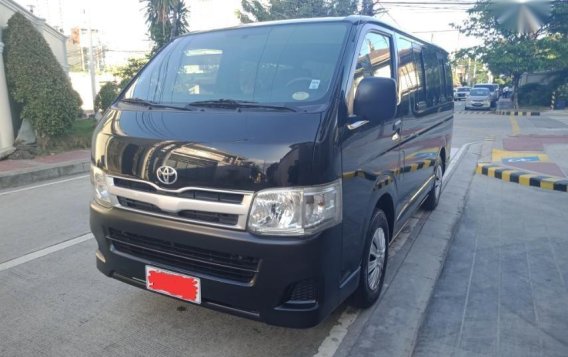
(26, 177)
(517, 113)
(522, 177)
(498, 112)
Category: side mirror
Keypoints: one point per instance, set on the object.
(375, 99)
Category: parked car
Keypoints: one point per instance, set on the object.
(461, 93)
(479, 98)
(493, 89)
(263, 170)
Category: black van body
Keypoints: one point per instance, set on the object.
(174, 184)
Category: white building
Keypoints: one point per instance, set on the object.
(57, 43)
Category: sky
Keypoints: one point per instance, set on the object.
(123, 28)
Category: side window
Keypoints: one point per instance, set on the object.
(420, 94)
(374, 60)
(433, 77)
(374, 57)
(407, 71)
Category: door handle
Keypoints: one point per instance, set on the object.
(357, 124)
(397, 126)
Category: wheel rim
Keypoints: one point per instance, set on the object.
(438, 183)
(377, 254)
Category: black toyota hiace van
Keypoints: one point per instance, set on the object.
(263, 170)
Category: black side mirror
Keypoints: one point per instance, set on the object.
(375, 99)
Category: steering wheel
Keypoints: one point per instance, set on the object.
(296, 80)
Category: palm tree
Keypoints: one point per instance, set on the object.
(166, 20)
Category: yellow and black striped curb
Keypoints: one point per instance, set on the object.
(522, 177)
(517, 113)
(474, 112)
(498, 112)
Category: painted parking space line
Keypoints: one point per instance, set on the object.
(43, 252)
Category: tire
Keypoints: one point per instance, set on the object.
(433, 198)
(376, 250)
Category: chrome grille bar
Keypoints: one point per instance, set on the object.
(173, 205)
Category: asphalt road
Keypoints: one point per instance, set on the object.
(59, 304)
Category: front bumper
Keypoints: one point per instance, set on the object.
(311, 264)
(477, 105)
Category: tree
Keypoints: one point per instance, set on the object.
(129, 70)
(37, 82)
(166, 20)
(510, 52)
(260, 10)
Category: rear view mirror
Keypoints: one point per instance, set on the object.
(375, 99)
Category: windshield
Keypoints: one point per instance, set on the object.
(479, 92)
(287, 64)
(490, 87)
(463, 89)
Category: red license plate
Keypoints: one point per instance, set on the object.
(181, 286)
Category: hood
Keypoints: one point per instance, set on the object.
(246, 150)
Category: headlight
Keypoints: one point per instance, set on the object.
(296, 211)
(100, 186)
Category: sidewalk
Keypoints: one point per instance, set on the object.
(15, 173)
(503, 289)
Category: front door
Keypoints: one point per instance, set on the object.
(369, 149)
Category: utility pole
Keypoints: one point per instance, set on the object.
(92, 63)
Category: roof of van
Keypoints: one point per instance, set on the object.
(354, 19)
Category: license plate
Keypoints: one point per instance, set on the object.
(177, 285)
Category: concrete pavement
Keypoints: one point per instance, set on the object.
(503, 289)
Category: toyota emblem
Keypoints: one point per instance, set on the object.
(167, 175)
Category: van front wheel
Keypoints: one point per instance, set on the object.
(374, 263)
(433, 198)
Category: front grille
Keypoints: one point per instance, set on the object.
(201, 216)
(217, 264)
(193, 194)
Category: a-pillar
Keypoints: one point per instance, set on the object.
(6, 128)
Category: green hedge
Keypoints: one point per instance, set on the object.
(36, 81)
(106, 96)
(535, 94)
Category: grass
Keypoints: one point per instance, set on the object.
(78, 138)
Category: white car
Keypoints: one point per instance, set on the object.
(479, 98)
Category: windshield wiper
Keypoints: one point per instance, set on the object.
(232, 103)
(150, 104)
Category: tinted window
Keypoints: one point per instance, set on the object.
(267, 64)
(420, 95)
(407, 68)
(463, 89)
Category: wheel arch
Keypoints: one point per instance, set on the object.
(386, 204)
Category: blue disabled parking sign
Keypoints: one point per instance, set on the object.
(513, 160)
